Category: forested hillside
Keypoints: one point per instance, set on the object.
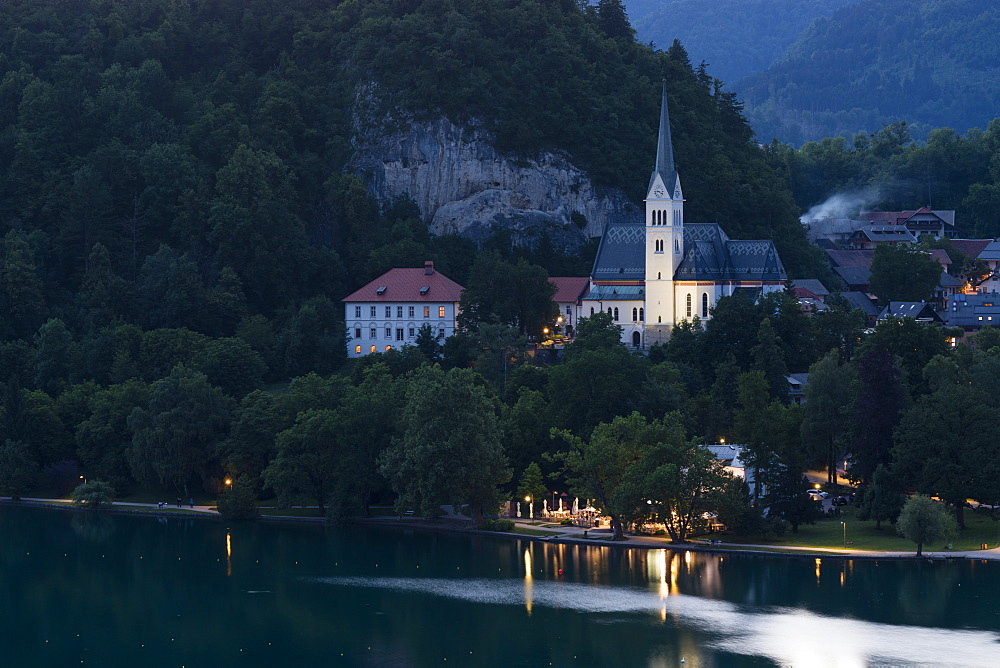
(736, 38)
(932, 63)
(178, 226)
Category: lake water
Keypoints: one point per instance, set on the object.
(114, 590)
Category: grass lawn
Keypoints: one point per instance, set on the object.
(829, 533)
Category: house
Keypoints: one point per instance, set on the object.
(991, 256)
(919, 311)
(867, 238)
(810, 288)
(973, 312)
(937, 223)
(388, 312)
(863, 303)
(570, 291)
(651, 275)
(797, 387)
(855, 279)
(730, 456)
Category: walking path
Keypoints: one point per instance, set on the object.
(590, 536)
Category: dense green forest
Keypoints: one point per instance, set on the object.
(736, 38)
(932, 63)
(178, 229)
(888, 170)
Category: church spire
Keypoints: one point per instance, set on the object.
(664, 150)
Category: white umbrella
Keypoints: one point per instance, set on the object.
(576, 505)
(518, 508)
(545, 505)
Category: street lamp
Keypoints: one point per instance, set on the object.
(84, 479)
(531, 508)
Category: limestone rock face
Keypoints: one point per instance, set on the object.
(462, 185)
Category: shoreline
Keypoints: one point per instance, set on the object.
(458, 526)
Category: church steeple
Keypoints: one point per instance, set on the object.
(664, 152)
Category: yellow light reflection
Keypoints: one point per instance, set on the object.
(818, 562)
(229, 554)
(661, 569)
(528, 582)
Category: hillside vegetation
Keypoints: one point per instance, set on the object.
(932, 63)
(736, 38)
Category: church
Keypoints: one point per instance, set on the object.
(649, 276)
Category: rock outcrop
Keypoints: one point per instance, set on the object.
(463, 186)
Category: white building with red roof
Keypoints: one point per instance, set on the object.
(387, 313)
(570, 291)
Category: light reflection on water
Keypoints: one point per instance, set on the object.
(788, 636)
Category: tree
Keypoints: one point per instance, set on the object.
(945, 447)
(239, 500)
(308, 461)
(22, 300)
(901, 274)
(429, 343)
(611, 464)
(686, 483)
(517, 295)
(531, 485)
(924, 521)
(17, 469)
(173, 439)
(880, 402)
(104, 438)
(94, 494)
(449, 450)
(829, 400)
(769, 359)
(881, 501)
(251, 442)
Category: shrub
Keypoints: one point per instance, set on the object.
(239, 502)
(566, 522)
(497, 525)
(94, 494)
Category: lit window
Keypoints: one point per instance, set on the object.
(357, 311)
(372, 349)
(440, 311)
(357, 350)
(388, 348)
(410, 311)
(372, 308)
(388, 311)
(427, 311)
(373, 334)
(980, 317)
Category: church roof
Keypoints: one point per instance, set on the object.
(710, 255)
(616, 293)
(569, 288)
(622, 253)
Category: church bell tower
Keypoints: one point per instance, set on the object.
(664, 234)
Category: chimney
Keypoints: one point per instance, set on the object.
(428, 267)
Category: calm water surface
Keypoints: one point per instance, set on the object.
(114, 590)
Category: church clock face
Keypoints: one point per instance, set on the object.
(658, 191)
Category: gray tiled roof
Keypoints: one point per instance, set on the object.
(708, 255)
(860, 300)
(966, 311)
(914, 310)
(610, 293)
(854, 275)
(813, 285)
(621, 254)
(991, 253)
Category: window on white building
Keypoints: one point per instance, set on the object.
(388, 332)
(357, 311)
(372, 310)
(409, 311)
(388, 311)
(373, 334)
(427, 311)
(440, 311)
(704, 305)
(399, 333)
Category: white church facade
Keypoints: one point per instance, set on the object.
(651, 275)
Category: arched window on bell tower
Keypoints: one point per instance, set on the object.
(635, 314)
(687, 306)
(704, 305)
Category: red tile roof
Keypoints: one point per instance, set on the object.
(570, 288)
(404, 285)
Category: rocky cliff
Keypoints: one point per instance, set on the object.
(462, 185)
